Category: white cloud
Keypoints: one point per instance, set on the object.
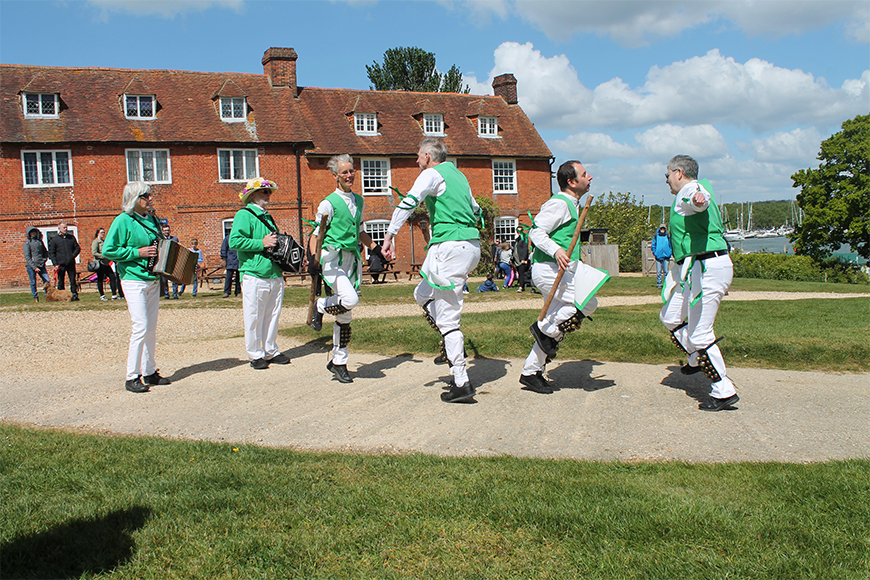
(594, 147)
(638, 22)
(799, 146)
(163, 8)
(704, 89)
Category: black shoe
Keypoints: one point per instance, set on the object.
(535, 383)
(75, 298)
(690, 370)
(135, 386)
(260, 364)
(226, 295)
(279, 359)
(715, 404)
(463, 394)
(441, 359)
(317, 320)
(155, 379)
(548, 344)
(340, 372)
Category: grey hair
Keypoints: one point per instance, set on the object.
(435, 148)
(132, 192)
(333, 163)
(684, 163)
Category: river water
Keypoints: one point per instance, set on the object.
(778, 245)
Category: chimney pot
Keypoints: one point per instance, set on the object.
(505, 86)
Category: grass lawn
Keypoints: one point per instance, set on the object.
(141, 508)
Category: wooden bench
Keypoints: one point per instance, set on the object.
(217, 274)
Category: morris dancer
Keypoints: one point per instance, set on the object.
(453, 252)
(703, 269)
(340, 260)
(262, 279)
(574, 298)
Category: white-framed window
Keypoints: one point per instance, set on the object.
(233, 109)
(237, 164)
(487, 126)
(139, 107)
(504, 176)
(375, 176)
(46, 168)
(49, 232)
(228, 226)
(377, 229)
(506, 228)
(365, 123)
(433, 124)
(40, 105)
(149, 165)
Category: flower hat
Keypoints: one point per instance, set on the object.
(255, 184)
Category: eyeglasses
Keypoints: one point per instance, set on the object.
(668, 174)
(146, 196)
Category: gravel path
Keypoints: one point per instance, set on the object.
(604, 411)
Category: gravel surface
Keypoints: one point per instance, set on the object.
(604, 410)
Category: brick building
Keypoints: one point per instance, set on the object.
(72, 138)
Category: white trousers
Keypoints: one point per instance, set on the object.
(262, 299)
(344, 294)
(561, 308)
(143, 304)
(454, 261)
(715, 275)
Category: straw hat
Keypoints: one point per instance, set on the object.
(255, 184)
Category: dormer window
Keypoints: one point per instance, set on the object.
(365, 123)
(40, 106)
(139, 107)
(433, 124)
(487, 126)
(233, 109)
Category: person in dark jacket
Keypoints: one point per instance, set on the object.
(63, 249)
(35, 257)
(105, 269)
(521, 257)
(377, 265)
(231, 257)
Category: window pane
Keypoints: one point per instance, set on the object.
(250, 164)
(162, 165)
(146, 107)
(47, 164)
(31, 171)
(238, 165)
(239, 109)
(62, 161)
(48, 104)
(132, 107)
(224, 163)
(133, 166)
(226, 108)
(147, 165)
(32, 102)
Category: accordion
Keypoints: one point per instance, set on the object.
(287, 254)
(173, 261)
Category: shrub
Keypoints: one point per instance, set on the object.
(798, 268)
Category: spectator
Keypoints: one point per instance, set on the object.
(35, 257)
(164, 282)
(63, 249)
(231, 257)
(505, 256)
(521, 257)
(489, 285)
(200, 262)
(661, 249)
(105, 269)
(377, 265)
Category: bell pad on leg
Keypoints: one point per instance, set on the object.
(429, 317)
(335, 309)
(572, 323)
(676, 340)
(344, 333)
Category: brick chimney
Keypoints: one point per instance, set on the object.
(505, 86)
(279, 64)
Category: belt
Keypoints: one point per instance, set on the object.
(707, 255)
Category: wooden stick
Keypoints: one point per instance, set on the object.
(312, 297)
(561, 273)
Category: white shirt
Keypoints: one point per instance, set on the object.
(428, 183)
(685, 204)
(325, 208)
(553, 214)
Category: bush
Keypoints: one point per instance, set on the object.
(798, 268)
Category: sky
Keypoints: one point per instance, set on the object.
(749, 88)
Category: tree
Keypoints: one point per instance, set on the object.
(413, 69)
(835, 198)
(629, 225)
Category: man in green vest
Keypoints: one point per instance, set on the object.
(452, 253)
(699, 278)
(340, 263)
(573, 300)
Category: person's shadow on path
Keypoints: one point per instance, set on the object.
(75, 548)
(376, 370)
(696, 387)
(578, 375)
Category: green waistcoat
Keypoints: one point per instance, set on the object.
(697, 233)
(562, 235)
(343, 230)
(451, 213)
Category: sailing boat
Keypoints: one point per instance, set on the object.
(732, 235)
(749, 232)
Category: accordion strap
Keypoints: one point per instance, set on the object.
(156, 231)
(269, 224)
